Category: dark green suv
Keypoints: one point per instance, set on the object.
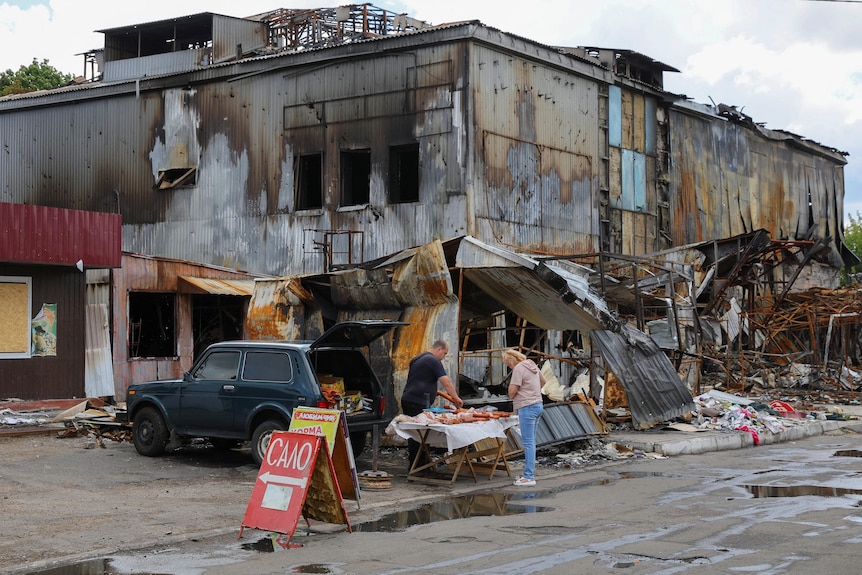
(244, 390)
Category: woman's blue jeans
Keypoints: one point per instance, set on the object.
(528, 418)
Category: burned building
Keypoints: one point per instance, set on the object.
(307, 141)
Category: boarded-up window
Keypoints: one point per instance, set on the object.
(15, 295)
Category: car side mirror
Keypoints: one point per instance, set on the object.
(187, 376)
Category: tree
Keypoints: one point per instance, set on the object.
(36, 76)
(853, 238)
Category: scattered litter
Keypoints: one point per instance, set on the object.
(11, 417)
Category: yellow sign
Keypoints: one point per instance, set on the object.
(316, 421)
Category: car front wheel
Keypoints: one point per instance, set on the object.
(261, 436)
(149, 432)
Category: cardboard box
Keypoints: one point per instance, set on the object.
(352, 401)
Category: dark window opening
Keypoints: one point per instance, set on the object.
(176, 177)
(404, 174)
(216, 318)
(152, 324)
(309, 182)
(355, 177)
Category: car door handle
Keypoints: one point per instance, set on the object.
(228, 387)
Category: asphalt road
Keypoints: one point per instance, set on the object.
(782, 508)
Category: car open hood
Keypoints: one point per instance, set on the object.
(357, 333)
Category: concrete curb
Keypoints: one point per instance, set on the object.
(669, 443)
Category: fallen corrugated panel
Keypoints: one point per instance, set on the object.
(188, 284)
(550, 298)
(654, 390)
(562, 422)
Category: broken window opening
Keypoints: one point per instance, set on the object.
(152, 324)
(404, 174)
(176, 177)
(309, 182)
(355, 177)
(215, 318)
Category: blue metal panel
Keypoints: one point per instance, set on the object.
(639, 181)
(628, 179)
(615, 116)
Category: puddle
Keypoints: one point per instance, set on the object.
(91, 567)
(462, 507)
(799, 490)
(848, 453)
(313, 568)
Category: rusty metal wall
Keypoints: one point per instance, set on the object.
(101, 148)
(729, 180)
(148, 274)
(50, 377)
(538, 134)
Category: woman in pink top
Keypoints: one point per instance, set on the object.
(525, 390)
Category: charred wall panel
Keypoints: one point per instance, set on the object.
(537, 141)
(729, 180)
(50, 377)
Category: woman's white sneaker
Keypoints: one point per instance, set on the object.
(524, 482)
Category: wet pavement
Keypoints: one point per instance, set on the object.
(407, 504)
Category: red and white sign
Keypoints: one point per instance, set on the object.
(282, 483)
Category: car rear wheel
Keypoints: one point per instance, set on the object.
(149, 432)
(261, 436)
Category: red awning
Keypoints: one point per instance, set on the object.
(57, 236)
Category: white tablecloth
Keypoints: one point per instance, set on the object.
(454, 436)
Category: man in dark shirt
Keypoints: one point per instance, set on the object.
(420, 391)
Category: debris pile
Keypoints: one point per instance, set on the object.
(10, 418)
(95, 420)
(92, 418)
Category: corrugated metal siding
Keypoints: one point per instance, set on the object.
(39, 234)
(52, 377)
(99, 376)
(728, 180)
(240, 214)
(233, 37)
(539, 148)
(154, 65)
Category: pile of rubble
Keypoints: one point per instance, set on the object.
(93, 419)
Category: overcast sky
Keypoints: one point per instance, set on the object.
(793, 65)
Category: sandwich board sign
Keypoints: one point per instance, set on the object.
(294, 466)
(332, 424)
